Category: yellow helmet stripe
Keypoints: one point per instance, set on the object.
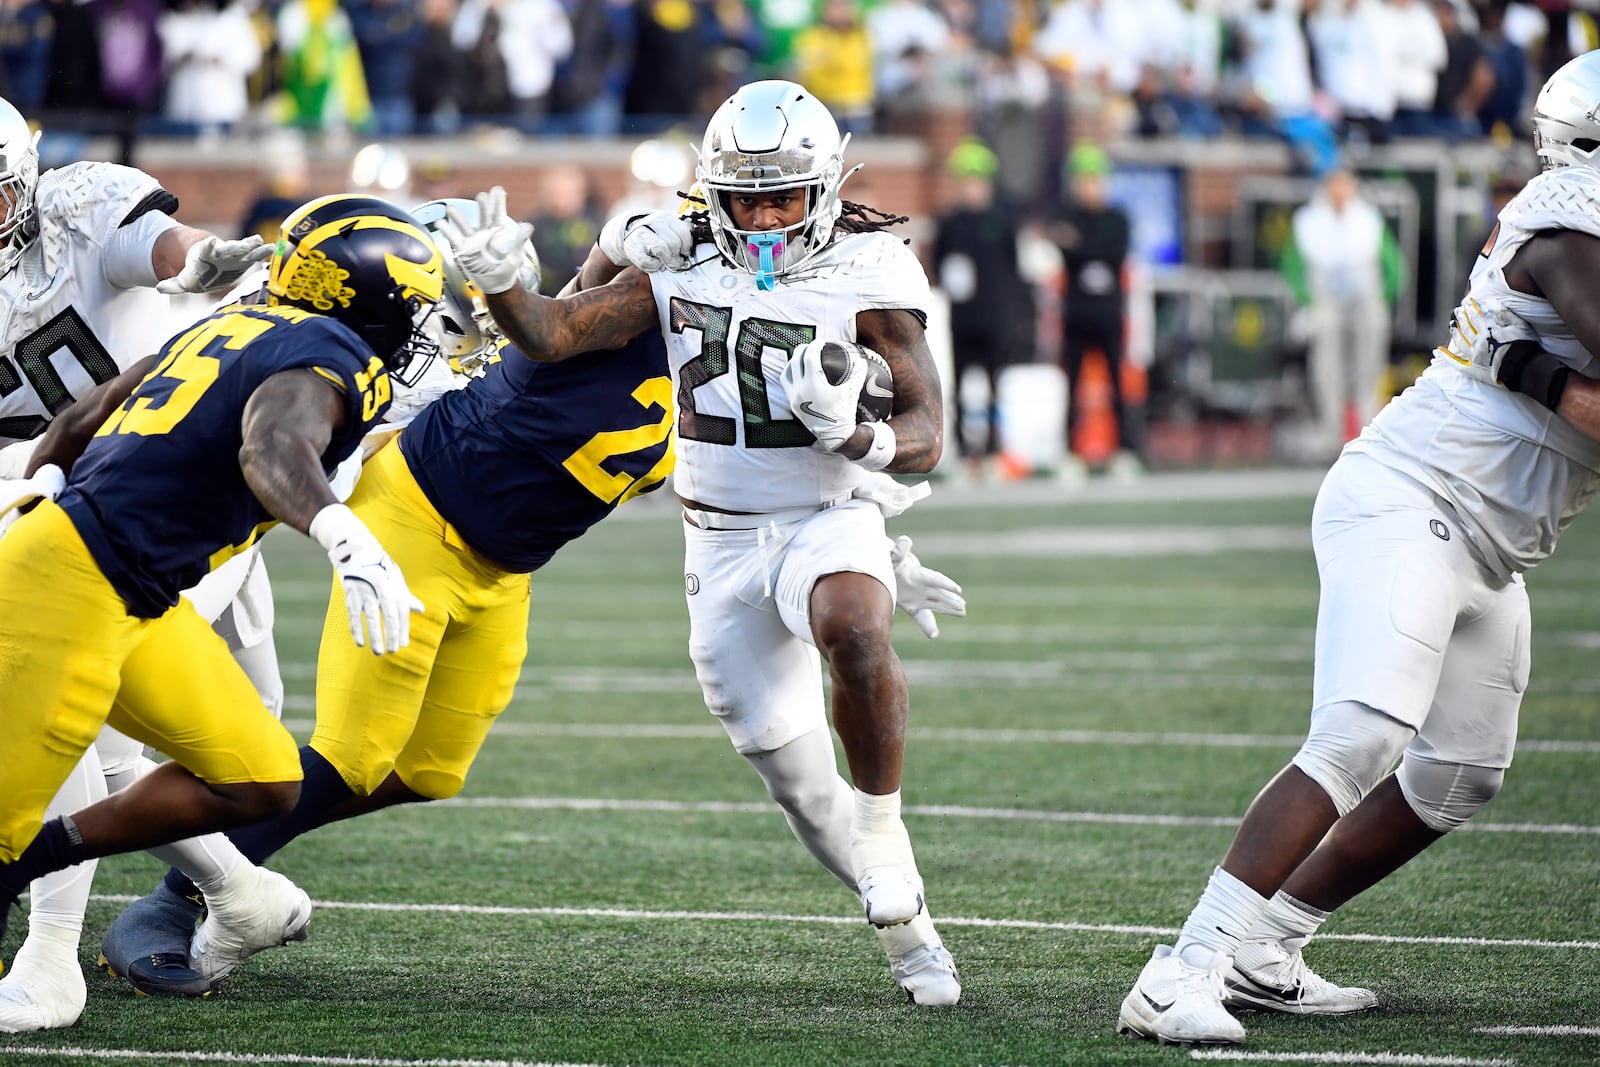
(419, 279)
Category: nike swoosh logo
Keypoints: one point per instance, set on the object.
(1159, 1008)
(805, 406)
(874, 389)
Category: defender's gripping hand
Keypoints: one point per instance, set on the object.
(826, 409)
(491, 253)
(1492, 337)
(660, 240)
(212, 264)
(923, 590)
(375, 595)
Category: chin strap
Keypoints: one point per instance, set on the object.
(766, 246)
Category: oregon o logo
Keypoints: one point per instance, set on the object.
(1440, 530)
(691, 582)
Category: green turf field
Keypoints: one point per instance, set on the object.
(613, 887)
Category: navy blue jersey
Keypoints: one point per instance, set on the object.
(529, 456)
(158, 496)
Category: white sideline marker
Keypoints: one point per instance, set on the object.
(1384, 1059)
(265, 1057)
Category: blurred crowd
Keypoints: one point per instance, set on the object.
(1315, 72)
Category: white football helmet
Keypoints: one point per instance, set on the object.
(19, 176)
(1566, 129)
(772, 135)
(465, 330)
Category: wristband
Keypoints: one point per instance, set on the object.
(1535, 373)
(881, 452)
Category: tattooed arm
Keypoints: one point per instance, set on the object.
(549, 330)
(918, 419)
(596, 271)
(288, 422)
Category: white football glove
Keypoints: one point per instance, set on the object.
(1483, 334)
(923, 590)
(212, 264)
(492, 252)
(660, 240)
(46, 483)
(827, 410)
(375, 595)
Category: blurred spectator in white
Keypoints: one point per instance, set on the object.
(1099, 42)
(438, 73)
(1278, 98)
(1467, 80)
(387, 35)
(211, 51)
(903, 32)
(26, 33)
(528, 37)
(1353, 61)
(1417, 51)
(834, 60)
(587, 99)
(1346, 269)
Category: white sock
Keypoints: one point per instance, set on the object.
(209, 861)
(1218, 922)
(875, 812)
(1287, 920)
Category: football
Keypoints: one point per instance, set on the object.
(876, 399)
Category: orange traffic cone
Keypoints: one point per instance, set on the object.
(1095, 436)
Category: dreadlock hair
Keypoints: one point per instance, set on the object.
(853, 218)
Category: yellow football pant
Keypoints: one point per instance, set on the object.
(424, 711)
(72, 659)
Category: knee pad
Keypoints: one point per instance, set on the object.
(1446, 795)
(1349, 750)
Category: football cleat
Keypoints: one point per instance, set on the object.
(44, 990)
(148, 945)
(258, 909)
(1272, 975)
(886, 874)
(1175, 1002)
(920, 963)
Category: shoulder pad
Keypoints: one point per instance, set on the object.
(1564, 198)
(93, 198)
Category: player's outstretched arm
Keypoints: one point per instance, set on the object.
(918, 418)
(546, 330)
(188, 260)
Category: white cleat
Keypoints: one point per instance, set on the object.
(920, 963)
(886, 874)
(1272, 976)
(1175, 1002)
(259, 909)
(41, 991)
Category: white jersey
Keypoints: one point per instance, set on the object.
(739, 447)
(77, 309)
(1515, 471)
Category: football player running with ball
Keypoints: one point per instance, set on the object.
(1422, 530)
(786, 556)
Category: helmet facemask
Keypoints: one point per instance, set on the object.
(19, 177)
(411, 361)
(769, 137)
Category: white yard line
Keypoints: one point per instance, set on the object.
(1384, 1059)
(1540, 1031)
(855, 920)
(262, 1057)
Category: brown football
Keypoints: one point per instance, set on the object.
(876, 399)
